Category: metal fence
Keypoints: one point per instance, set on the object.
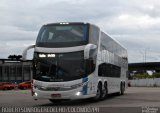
(149, 82)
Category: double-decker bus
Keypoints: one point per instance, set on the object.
(77, 61)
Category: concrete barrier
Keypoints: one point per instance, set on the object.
(148, 82)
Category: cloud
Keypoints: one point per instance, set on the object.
(135, 24)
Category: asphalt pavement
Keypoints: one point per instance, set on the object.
(135, 100)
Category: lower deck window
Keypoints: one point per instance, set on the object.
(109, 70)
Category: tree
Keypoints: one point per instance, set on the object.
(156, 75)
(15, 57)
(141, 76)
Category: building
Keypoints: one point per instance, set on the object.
(138, 68)
(15, 70)
(143, 67)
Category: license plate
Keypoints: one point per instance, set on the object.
(55, 95)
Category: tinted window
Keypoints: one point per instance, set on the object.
(61, 67)
(63, 35)
(109, 70)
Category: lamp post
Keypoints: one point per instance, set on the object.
(144, 54)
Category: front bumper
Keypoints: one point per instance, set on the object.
(70, 94)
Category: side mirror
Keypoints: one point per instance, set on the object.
(24, 54)
(87, 50)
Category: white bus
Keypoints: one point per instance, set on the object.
(77, 61)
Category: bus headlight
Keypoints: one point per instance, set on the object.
(79, 85)
(40, 87)
(36, 94)
(78, 93)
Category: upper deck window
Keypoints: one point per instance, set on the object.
(62, 35)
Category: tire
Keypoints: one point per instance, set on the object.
(21, 87)
(55, 101)
(104, 92)
(24, 88)
(99, 93)
(122, 89)
(5, 88)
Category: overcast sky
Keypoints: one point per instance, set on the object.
(134, 23)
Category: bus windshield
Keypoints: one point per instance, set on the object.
(58, 35)
(59, 67)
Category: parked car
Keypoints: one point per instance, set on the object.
(8, 85)
(24, 85)
(1, 84)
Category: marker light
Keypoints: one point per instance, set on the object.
(64, 23)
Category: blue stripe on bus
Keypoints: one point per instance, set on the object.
(85, 87)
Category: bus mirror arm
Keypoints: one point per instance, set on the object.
(24, 54)
(87, 49)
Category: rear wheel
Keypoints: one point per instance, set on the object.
(99, 93)
(122, 88)
(104, 91)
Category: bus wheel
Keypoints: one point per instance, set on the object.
(99, 93)
(122, 88)
(104, 91)
(55, 101)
